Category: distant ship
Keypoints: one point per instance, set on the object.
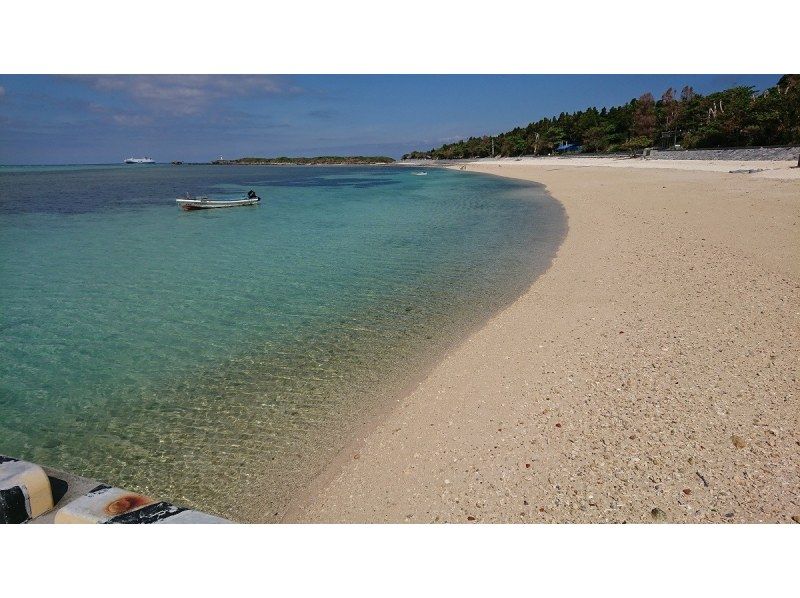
(144, 160)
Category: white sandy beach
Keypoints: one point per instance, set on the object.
(784, 170)
(649, 375)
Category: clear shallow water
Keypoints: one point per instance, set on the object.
(220, 358)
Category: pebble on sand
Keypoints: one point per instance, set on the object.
(738, 441)
(658, 514)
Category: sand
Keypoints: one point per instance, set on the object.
(767, 169)
(649, 375)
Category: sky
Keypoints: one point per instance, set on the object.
(97, 119)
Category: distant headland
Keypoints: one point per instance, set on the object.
(308, 161)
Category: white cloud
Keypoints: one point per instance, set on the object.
(189, 94)
(131, 120)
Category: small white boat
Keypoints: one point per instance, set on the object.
(419, 173)
(204, 203)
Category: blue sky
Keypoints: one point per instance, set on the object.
(106, 118)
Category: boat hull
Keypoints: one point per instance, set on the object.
(207, 204)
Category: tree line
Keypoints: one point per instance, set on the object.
(736, 117)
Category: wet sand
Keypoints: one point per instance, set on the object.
(649, 375)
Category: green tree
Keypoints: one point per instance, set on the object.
(734, 117)
(644, 117)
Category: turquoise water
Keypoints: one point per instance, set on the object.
(220, 358)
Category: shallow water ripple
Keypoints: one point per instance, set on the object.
(222, 358)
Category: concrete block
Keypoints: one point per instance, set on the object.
(166, 513)
(105, 504)
(25, 491)
(194, 517)
(100, 505)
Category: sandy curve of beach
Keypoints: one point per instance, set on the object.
(649, 375)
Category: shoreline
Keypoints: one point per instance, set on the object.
(407, 323)
(524, 421)
(384, 407)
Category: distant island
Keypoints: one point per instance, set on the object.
(308, 161)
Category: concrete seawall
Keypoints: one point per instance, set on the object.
(737, 154)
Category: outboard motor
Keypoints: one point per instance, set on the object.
(251, 194)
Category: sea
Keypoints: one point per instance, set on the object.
(221, 359)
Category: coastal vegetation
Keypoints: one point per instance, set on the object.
(736, 117)
(283, 160)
